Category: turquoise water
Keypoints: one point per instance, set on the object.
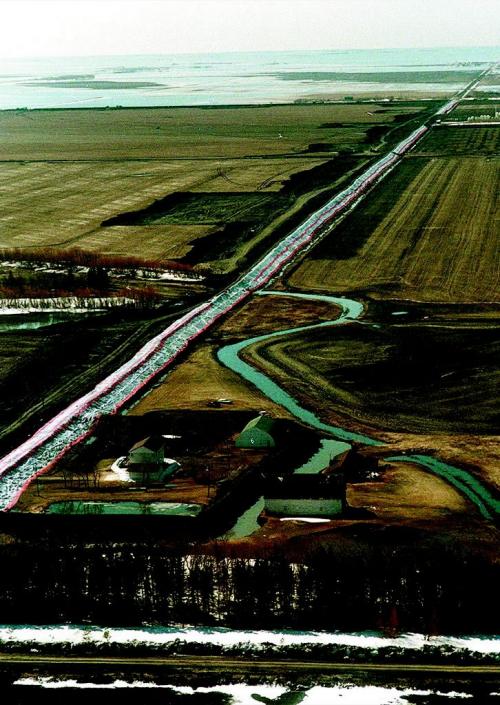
(463, 481)
(466, 483)
(328, 450)
(247, 523)
(213, 79)
(33, 321)
(125, 508)
(229, 356)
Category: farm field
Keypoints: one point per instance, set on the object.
(473, 108)
(64, 172)
(47, 204)
(304, 367)
(420, 378)
(461, 141)
(427, 233)
(200, 378)
(187, 133)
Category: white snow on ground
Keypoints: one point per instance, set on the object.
(243, 694)
(240, 693)
(246, 640)
(309, 520)
(144, 273)
(368, 695)
(120, 470)
(70, 304)
(174, 276)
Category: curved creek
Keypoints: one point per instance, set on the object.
(462, 480)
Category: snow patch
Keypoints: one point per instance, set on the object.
(308, 520)
(248, 640)
(243, 694)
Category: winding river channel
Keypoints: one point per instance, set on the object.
(462, 480)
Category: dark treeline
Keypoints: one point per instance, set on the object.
(77, 257)
(440, 589)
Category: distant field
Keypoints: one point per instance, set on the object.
(428, 232)
(474, 109)
(455, 77)
(456, 141)
(64, 172)
(164, 133)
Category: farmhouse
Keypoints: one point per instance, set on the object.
(258, 433)
(146, 461)
(307, 496)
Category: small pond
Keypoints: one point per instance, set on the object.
(125, 508)
(33, 321)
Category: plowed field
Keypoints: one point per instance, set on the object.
(429, 233)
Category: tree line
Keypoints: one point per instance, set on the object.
(443, 590)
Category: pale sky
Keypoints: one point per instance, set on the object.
(90, 27)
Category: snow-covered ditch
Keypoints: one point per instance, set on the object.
(245, 641)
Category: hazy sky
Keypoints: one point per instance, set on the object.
(86, 27)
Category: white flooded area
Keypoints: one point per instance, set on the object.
(234, 78)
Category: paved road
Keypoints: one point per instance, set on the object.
(222, 664)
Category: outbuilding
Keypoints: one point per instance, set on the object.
(148, 451)
(258, 433)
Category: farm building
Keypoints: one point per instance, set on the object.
(307, 496)
(258, 433)
(146, 461)
(148, 451)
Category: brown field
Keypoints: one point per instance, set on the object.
(201, 378)
(63, 172)
(479, 454)
(408, 491)
(433, 240)
(64, 204)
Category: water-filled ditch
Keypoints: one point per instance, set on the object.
(462, 480)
